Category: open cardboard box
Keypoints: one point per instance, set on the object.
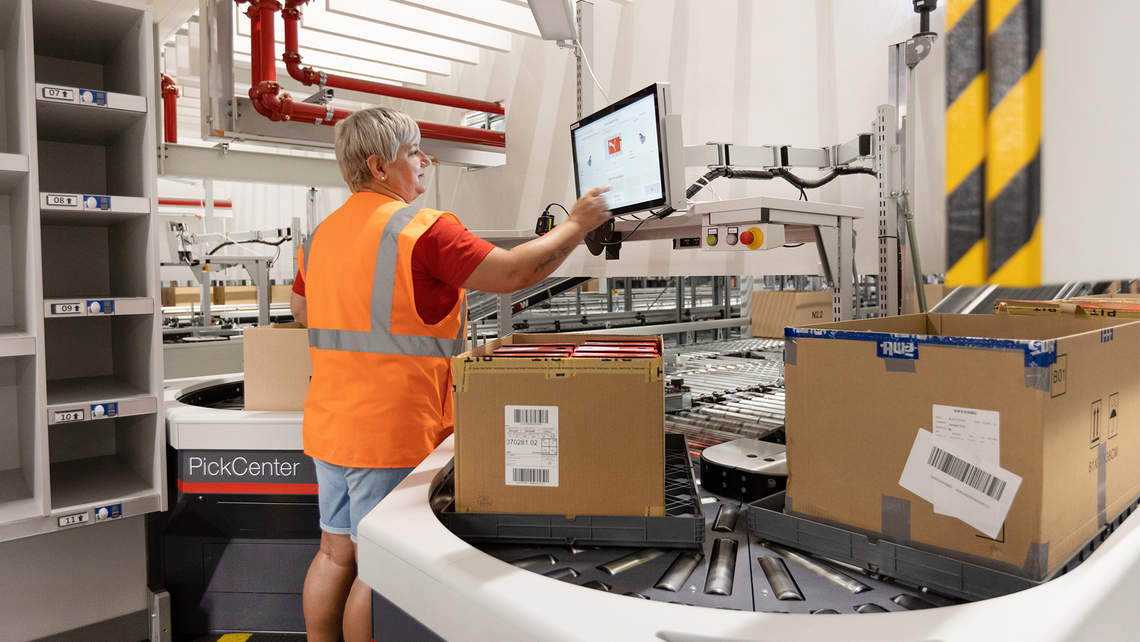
(1051, 400)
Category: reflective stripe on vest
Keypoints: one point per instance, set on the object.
(380, 339)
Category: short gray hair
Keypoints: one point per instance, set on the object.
(380, 131)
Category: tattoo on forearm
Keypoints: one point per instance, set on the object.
(560, 254)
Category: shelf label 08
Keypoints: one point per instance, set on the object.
(62, 94)
(74, 307)
(68, 416)
(72, 520)
(57, 201)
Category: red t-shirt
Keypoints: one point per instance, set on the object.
(444, 256)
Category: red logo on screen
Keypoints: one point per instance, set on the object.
(613, 146)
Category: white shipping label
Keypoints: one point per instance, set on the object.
(978, 431)
(959, 483)
(531, 445)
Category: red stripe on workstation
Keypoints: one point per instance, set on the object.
(180, 202)
(246, 488)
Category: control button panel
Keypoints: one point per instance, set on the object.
(745, 237)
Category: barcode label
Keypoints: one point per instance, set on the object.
(532, 416)
(958, 483)
(530, 475)
(530, 441)
(972, 476)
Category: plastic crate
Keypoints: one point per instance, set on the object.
(683, 525)
(767, 521)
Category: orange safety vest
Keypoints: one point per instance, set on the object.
(380, 394)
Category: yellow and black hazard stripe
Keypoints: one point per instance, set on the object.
(966, 109)
(1013, 142)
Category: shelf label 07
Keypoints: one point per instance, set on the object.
(74, 307)
(62, 94)
(67, 416)
(72, 520)
(57, 201)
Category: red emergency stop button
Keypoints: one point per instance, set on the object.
(746, 237)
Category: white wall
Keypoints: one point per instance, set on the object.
(747, 72)
(751, 72)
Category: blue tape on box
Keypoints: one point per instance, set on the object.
(889, 345)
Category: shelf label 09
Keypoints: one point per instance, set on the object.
(96, 202)
(74, 307)
(61, 200)
(68, 416)
(93, 97)
(72, 520)
(62, 94)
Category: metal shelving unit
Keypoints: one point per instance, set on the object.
(81, 438)
(23, 452)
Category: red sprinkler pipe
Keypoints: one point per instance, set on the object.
(170, 94)
(271, 102)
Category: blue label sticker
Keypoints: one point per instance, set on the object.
(100, 410)
(101, 306)
(897, 348)
(1106, 335)
(104, 513)
(96, 202)
(93, 97)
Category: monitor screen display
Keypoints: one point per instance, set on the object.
(620, 146)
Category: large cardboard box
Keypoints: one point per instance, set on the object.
(595, 425)
(1052, 401)
(277, 367)
(773, 310)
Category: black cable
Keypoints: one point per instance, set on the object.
(796, 245)
(547, 210)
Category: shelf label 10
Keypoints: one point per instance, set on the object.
(72, 520)
(68, 416)
(62, 94)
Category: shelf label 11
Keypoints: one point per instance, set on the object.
(67, 308)
(62, 94)
(72, 520)
(67, 416)
(57, 201)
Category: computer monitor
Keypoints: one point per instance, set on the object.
(634, 146)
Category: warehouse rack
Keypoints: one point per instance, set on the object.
(80, 359)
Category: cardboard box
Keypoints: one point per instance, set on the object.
(590, 286)
(1085, 306)
(773, 310)
(596, 426)
(235, 294)
(277, 367)
(1052, 400)
(181, 296)
(280, 293)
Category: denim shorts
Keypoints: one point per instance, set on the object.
(346, 495)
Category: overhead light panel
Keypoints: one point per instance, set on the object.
(555, 18)
(424, 21)
(495, 13)
(317, 17)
